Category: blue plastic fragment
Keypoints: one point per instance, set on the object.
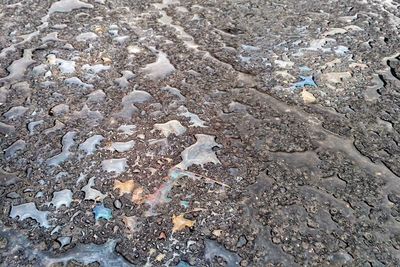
(101, 212)
(183, 264)
(185, 203)
(307, 81)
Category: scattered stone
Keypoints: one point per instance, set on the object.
(308, 97)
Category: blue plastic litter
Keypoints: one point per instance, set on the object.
(306, 81)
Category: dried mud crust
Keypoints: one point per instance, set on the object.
(237, 133)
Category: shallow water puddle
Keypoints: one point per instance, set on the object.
(103, 254)
(8, 178)
(65, 66)
(159, 69)
(18, 67)
(16, 147)
(67, 143)
(194, 119)
(123, 81)
(91, 193)
(90, 145)
(214, 249)
(129, 101)
(199, 153)
(101, 212)
(116, 166)
(121, 146)
(127, 129)
(60, 198)
(170, 127)
(29, 210)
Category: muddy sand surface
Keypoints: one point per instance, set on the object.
(200, 133)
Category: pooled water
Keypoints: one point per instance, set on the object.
(86, 254)
(64, 6)
(12, 150)
(65, 66)
(86, 36)
(122, 146)
(6, 128)
(371, 93)
(92, 194)
(32, 125)
(8, 178)
(60, 198)
(94, 69)
(123, 81)
(127, 129)
(67, 143)
(199, 153)
(175, 92)
(64, 241)
(159, 69)
(213, 249)
(92, 118)
(76, 82)
(114, 165)
(128, 101)
(101, 212)
(194, 119)
(18, 67)
(51, 37)
(170, 127)
(40, 70)
(96, 96)
(15, 112)
(58, 125)
(90, 145)
(59, 110)
(29, 210)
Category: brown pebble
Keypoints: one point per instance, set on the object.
(162, 236)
